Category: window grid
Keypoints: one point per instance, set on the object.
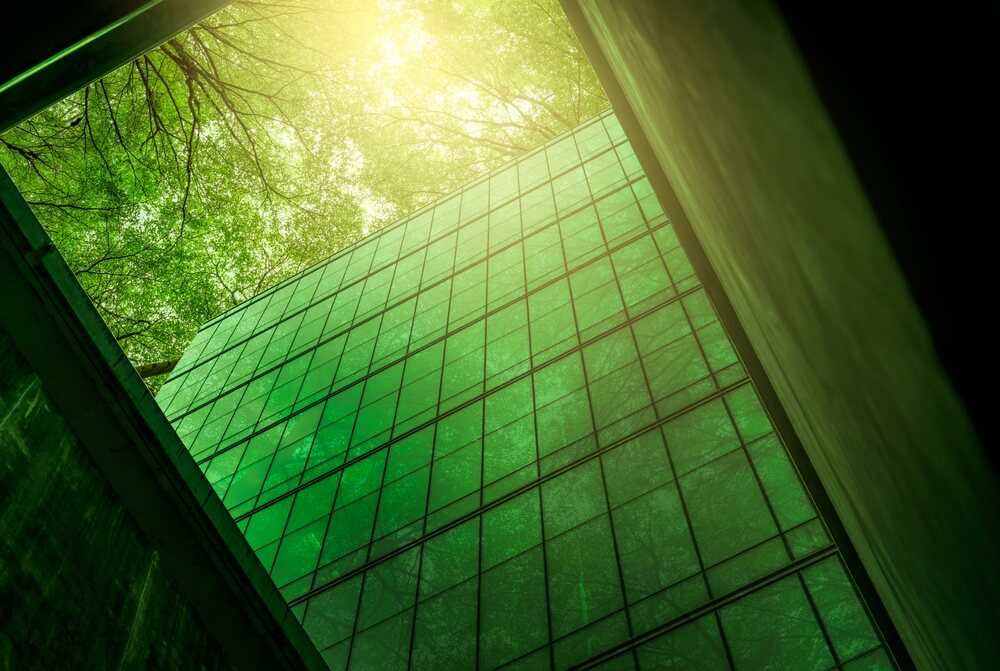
(182, 421)
(204, 357)
(554, 423)
(444, 411)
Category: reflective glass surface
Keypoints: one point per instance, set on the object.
(509, 431)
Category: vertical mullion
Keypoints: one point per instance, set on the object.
(593, 418)
(482, 425)
(756, 475)
(732, 421)
(371, 532)
(673, 470)
(717, 616)
(319, 557)
(652, 400)
(534, 410)
(383, 311)
(445, 278)
(385, 467)
(433, 450)
(819, 619)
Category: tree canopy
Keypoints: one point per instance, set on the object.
(275, 133)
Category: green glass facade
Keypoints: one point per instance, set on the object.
(509, 431)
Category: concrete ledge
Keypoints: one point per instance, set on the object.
(108, 407)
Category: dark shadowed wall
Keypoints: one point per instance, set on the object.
(97, 494)
(754, 164)
(80, 585)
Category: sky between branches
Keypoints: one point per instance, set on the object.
(275, 133)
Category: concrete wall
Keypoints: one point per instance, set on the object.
(80, 585)
(755, 166)
(92, 391)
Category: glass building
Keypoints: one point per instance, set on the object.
(509, 431)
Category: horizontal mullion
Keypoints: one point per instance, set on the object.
(382, 231)
(793, 567)
(825, 549)
(313, 301)
(528, 292)
(531, 370)
(482, 509)
(465, 404)
(389, 443)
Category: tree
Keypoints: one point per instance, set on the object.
(273, 134)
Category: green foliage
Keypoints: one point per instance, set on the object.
(273, 134)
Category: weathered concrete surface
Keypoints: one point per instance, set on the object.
(756, 167)
(113, 417)
(81, 587)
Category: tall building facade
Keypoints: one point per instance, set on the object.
(509, 431)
